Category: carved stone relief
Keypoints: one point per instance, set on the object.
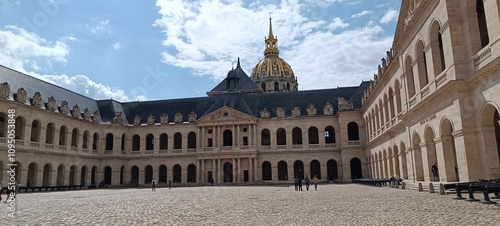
(21, 95)
(295, 112)
(344, 105)
(37, 100)
(117, 119)
(264, 113)
(280, 112)
(4, 90)
(164, 119)
(64, 107)
(311, 110)
(76, 111)
(328, 109)
(151, 119)
(178, 117)
(137, 120)
(51, 103)
(96, 117)
(86, 114)
(192, 116)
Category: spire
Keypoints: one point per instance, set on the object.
(270, 27)
(238, 65)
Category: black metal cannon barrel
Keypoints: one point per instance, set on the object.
(490, 188)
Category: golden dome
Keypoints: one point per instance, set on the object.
(272, 71)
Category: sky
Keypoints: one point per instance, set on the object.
(166, 49)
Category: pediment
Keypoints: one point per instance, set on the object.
(409, 13)
(226, 114)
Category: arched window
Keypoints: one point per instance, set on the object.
(109, 141)
(74, 137)
(136, 142)
(85, 141)
(266, 171)
(481, 22)
(397, 94)
(192, 140)
(3, 125)
(177, 141)
(352, 131)
(281, 137)
(150, 142)
(410, 83)
(123, 142)
(422, 65)
(62, 136)
(228, 138)
(94, 141)
(163, 141)
(329, 135)
(19, 134)
(35, 131)
(297, 135)
(437, 49)
(49, 135)
(265, 137)
(313, 135)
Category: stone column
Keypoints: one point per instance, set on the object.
(234, 171)
(239, 171)
(256, 170)
(170, 174)
(156, 173)
(274, 173)
(53, 178)
(66, 178)
(467, 157)
(250, 171)
(307, 170)
(184, 175)
(202, 179)
(198, 171)
(115, 177)
(492, 14)
(39, 178)
(290, 173)
(424, 150)
(214, 171)
(324, 173)
(218, 171)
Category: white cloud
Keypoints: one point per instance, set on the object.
(337, 23)
(322, 3)
(363, 13)
(389, 16)
(116, 46)
(100, 26)
(28, 53)
(205, 36)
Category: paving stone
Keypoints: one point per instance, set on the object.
(337, 204)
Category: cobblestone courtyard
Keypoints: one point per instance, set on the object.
(262, 205)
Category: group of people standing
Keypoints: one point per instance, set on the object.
(298, 183)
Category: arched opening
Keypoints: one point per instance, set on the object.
(49, 134)
(276, 86)
(297, 135)
(191, 173)
(19, 133)
(177, 141)
(265, 137)
(397, 93)
(431, 157)
(107, 175)
(282, 170)
(266, 171)
(417, 156)
(352, 131)
(386, 108)
(47, 175)
(74, 137)
(228, 172)
(385, 163)
(451, 167)
(313, 136)
(281, 137)
(85, 139)
(315, 169)
(32, 175)
(94, 141)
(437, 49)
(122, 173)
(288, 86)
(410, 82)
(93, 173)
(481, 22)
(109, 141)
(72, 175)
(490, 128)
(356, 171)
(264, 87)
(136, 142)
(148, 174)
(331, 168)
(122, 144)
(177, 173)
(163, 174)
(391, 103)
(163, 141)
(62, 136)
(329, 135)
(192, 140)
(134, 176)
(228, 138)
(298, 169)
(83, 176)
(35, 131)
(396, 162)
(3, 125)
(381, 112)
(422, 65)
(60, 175)
(389, 162)
(150, 142)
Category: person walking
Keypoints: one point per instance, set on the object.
(435, 174)
(300, 183)
(315, 181)
(306, 180)
(153, 185)
(296, 182)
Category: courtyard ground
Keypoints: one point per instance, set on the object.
(338, 204)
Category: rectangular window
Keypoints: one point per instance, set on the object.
(210, 144)
(245, 141)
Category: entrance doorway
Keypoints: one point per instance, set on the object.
(228, 172)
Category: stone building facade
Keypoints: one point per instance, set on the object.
(435, 99)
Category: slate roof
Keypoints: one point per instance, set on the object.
(249, 103)
(245, 84)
